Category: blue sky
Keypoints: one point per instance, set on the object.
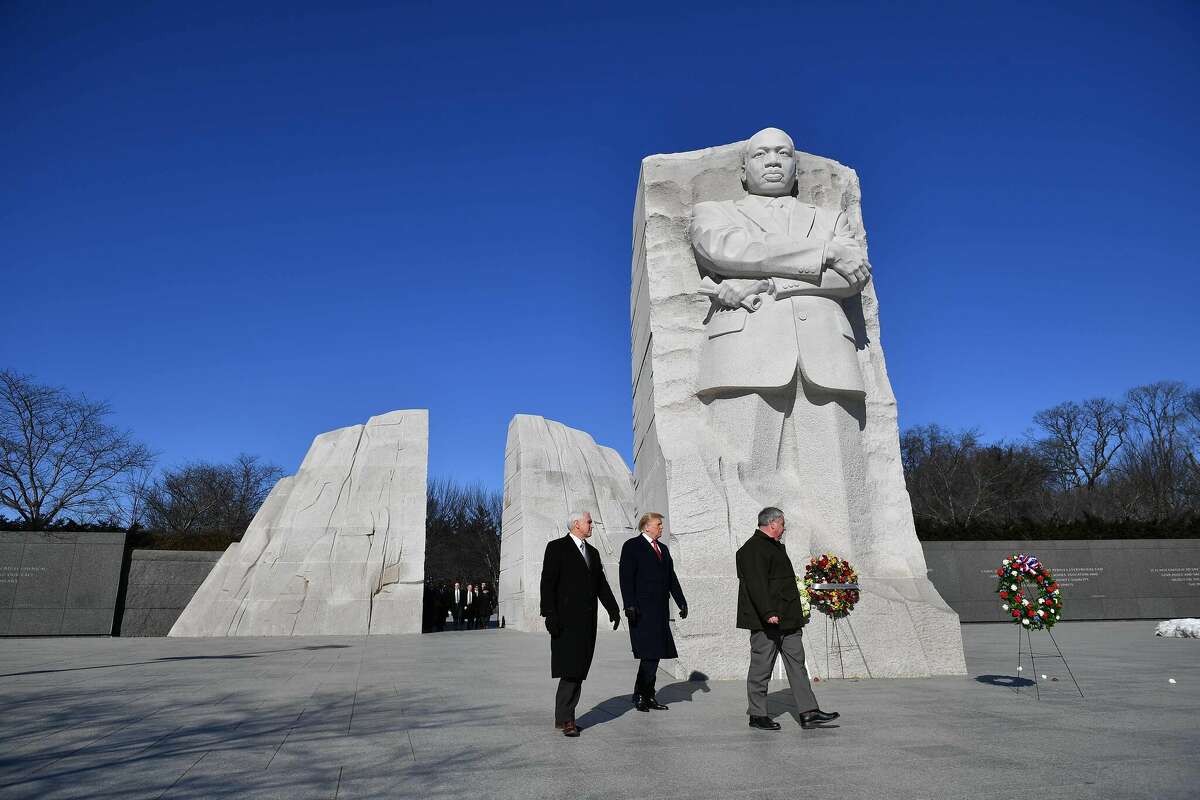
(244, 224)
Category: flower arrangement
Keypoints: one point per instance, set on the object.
(805, 600)
(1037, 613)
(836, 603)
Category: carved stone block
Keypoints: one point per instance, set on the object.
(337, 548)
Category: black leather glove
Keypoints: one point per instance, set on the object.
(633, 615)
(683, 612)
(615, 619)
(553, 627)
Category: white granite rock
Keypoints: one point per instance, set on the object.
(551, 470)
(683, 464)
(337, 548)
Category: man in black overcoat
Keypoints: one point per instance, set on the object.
(440, 606)
(487, 605)
(769, 607)
(647, 579)
(573, 584)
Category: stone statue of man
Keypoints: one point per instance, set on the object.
(779, 372)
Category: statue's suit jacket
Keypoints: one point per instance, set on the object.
(801, 323)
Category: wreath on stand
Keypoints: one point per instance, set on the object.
(826, 569)
(1024, 609)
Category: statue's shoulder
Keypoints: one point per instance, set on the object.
(709, 209)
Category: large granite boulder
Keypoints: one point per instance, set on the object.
(337, 548)
(551, 470)
(682, 466)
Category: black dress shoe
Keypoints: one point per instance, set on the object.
(813, 719)
(764, 723)
(642, 705)
(657, 706)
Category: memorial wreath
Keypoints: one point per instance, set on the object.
(827, 569)
(1038, 612)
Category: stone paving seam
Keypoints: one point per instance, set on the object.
(182, 776)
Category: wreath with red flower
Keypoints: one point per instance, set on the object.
(836, 603)
(1022, 607)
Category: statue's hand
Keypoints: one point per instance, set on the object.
(731, 292)
(848, 263)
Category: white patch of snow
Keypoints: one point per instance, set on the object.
(1183, 628)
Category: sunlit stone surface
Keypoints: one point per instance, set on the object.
(337, 548)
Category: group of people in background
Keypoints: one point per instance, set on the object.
(461, 606)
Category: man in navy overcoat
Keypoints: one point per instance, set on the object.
(647, 579)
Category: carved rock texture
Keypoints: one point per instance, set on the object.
(903, 625)
(551, 470)
(337, 548)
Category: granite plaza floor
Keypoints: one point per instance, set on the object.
(469, 714)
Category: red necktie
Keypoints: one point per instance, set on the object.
(657, 552)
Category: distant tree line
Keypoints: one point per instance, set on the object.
(63, 466)
(462, 532)
(1099, 468)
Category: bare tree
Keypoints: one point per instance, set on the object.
(1192, 417)
(954, 480)
(57, 454)
(462, 531)
(125, 499)
(1156, 465)
(1082, 440)
(203, 497)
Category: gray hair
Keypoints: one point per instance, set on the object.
(576, 516)
(768, 515)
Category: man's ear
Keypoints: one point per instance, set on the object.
(742, 175)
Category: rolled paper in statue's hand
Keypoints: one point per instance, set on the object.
(709, 289)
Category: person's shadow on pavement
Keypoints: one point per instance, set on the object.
(614, 707)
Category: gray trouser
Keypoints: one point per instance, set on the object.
(764, 648)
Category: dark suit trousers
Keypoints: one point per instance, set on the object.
(566, 698)
(764, 649)
(647, 672)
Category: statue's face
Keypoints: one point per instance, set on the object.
(769, 166)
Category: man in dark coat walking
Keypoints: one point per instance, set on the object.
(573, 584)
(486, 605)
(458, 602)
(769, 607)
(647, 579)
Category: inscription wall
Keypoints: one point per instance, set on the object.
(1100, 579)
(159, 587)
(59, 584)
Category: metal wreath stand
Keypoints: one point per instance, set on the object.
(1022, 652)
(833, 634)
